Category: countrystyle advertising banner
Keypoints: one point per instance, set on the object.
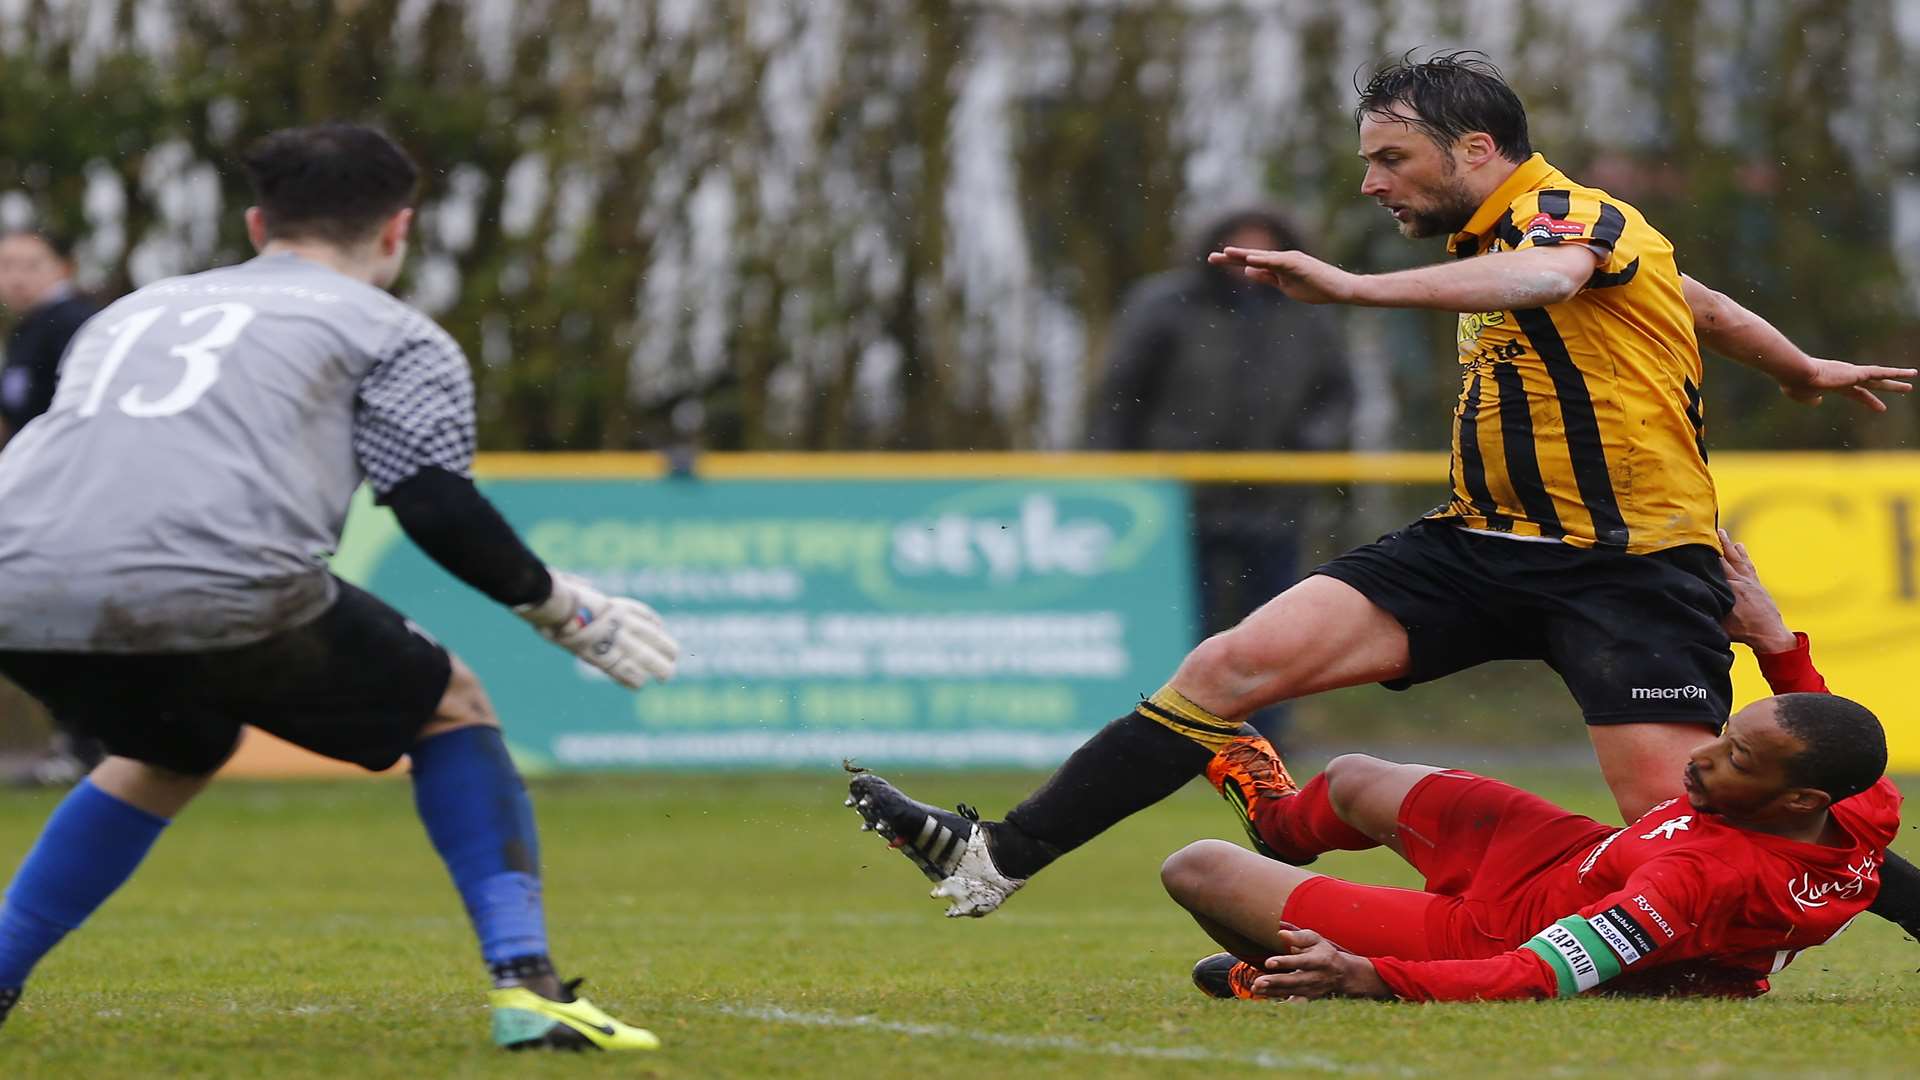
(936, 622)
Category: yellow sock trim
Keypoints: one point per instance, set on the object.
(1171, 709)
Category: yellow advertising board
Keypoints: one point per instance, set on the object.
(1836, 538)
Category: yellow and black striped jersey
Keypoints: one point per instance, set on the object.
(1581, 421)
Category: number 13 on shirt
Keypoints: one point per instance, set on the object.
(201, 357)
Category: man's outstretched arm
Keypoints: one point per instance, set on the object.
(1504, 281)
(1725, 327)
(1785, 657)
(1567, 958)
(413, 434)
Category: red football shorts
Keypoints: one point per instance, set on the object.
(1482, 846)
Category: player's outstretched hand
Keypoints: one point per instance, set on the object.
(621, 636)
(1313, 967)
(1755, 619)
(1296, 273)
(1857, 381)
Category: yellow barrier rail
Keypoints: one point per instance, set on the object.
(1305, 468)
(1273, 468)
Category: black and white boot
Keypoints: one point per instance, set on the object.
(949, 847)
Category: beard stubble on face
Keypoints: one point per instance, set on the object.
(1449, 210)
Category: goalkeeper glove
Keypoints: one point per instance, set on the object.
(621, 636)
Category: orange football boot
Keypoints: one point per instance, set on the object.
(1245, 771)
(1224, 975)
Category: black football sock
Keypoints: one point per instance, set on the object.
(1899, 899)
(535, 972)
(1132, 763)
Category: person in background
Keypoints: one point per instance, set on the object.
(1201, 360)
(36, 287)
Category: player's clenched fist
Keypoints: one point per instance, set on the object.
(619, 635)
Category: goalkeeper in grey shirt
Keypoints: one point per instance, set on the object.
(162, 578)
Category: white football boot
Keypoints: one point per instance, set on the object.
(949, 848)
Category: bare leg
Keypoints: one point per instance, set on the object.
(1367, 793)
(160, 792)
(1241, 899)
(1319, 635)
(1235, 895)
(465, 704)
(1642, 763)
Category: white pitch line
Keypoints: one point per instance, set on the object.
(1264, 1059)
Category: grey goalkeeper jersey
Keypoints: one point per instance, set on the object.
(205, 439)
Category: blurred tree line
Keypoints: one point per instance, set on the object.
(906, 223)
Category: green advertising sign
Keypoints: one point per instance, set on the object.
(935, 622)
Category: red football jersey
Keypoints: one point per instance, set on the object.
(1680, 901)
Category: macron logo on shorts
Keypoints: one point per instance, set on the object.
(1669, 693)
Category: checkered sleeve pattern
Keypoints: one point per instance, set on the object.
(415, 408)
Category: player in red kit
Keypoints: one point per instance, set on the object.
(1774, 847)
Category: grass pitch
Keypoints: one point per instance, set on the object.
(308, 930)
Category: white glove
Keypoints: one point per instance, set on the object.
(621, 636)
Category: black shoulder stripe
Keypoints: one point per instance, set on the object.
(1603, 279)
(1523, 461)
(1556, 203)
(1506, 230)
(1611, 224)
(1584, 445)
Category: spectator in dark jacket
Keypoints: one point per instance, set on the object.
(36, 287)
(1201, 359)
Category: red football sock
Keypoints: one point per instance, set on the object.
(1303, 824)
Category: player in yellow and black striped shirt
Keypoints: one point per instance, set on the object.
(1580, 529)
(1580, 420)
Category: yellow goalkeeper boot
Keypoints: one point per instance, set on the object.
(524, 1020)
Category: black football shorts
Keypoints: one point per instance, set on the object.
(1635, 637)
(356, 684)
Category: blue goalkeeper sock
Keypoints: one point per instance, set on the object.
(476, 811)
(89, 848)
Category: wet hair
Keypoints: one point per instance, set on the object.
(1450, 94)
(331, 182)
(61, 244)
(1844, 748)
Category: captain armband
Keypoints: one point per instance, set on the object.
(1585, 952)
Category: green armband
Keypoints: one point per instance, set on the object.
(1579, 958)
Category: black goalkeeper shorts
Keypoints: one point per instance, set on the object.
(1635, 637)
(356, 684)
